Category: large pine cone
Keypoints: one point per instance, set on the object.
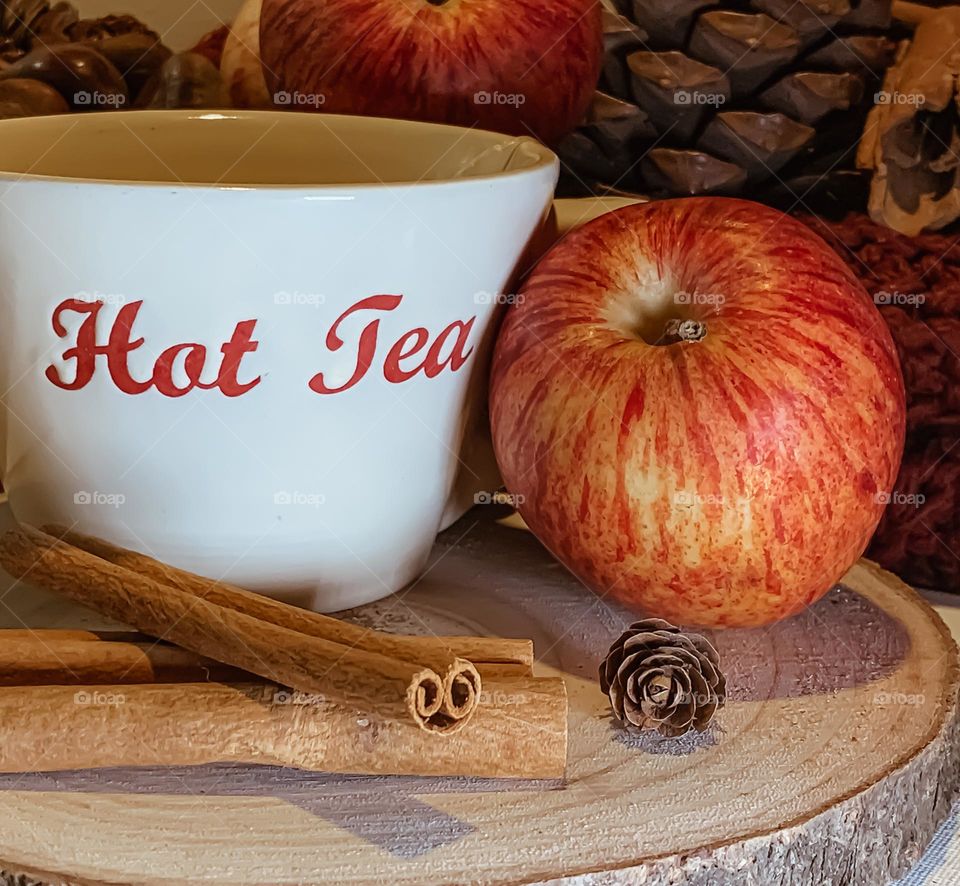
(18, 19)
(659, 678)
(762, 98)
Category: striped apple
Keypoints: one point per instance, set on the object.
(526, 67)
(699, 410)
(240, 65)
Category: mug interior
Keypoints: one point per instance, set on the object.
(256, 148)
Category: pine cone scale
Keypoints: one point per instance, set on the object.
(780, 72)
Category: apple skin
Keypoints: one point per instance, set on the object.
(240, 64)
(418, 60)
(729, 481)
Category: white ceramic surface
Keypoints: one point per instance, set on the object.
(363, 257)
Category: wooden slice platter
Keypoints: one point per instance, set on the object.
(834, 761)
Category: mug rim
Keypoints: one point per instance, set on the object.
(543, 158)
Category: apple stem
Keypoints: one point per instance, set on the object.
(685, 330)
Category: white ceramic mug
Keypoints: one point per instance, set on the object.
(248, 343)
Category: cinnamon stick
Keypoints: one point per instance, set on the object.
(492, 655)
(54, 634)
(387, 688)
(503, 658)
(518, 731)
(35, 658)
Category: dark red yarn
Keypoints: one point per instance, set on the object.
(918, 535)
(916, 282)
(928, 350)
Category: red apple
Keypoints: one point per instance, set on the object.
(728, 479)
(516, 66)
(240, 65)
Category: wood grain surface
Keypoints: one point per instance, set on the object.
(834, 760)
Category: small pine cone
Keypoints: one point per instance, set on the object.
(659, 678)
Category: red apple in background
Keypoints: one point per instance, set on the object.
(699, 409)
(516, 66)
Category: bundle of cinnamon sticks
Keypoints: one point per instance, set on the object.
(439, 705)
